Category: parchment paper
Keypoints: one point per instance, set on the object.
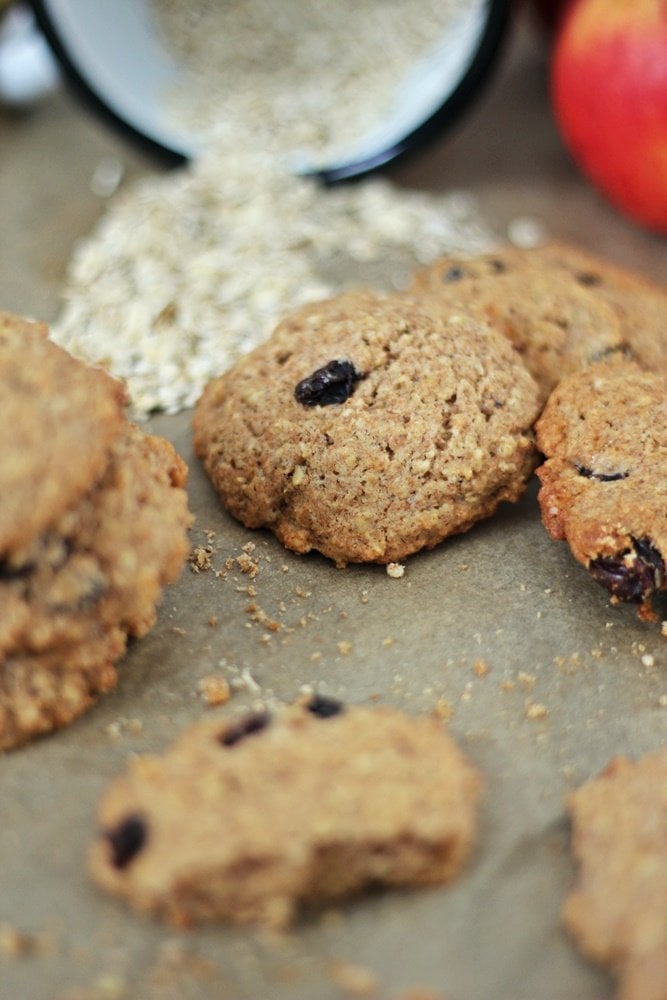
(544, 679)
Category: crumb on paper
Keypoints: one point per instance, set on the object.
(200, 558)
(648, 660)
(443, 710)
(344, 647)
(214, 689)
(536, 710)
(481, 668)
(395, 570)
(355, 980)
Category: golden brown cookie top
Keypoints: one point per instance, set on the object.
(555, 322)
(59, 420)
(369, 427)
(616, 911)
(250, 817)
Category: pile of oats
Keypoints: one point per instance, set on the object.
(190, 269)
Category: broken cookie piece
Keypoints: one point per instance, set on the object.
(617, 911)
(255, 818)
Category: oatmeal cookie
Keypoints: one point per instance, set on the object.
(59, 418)
(239, 819)
(369, 427)
(74, 595)
(604, 482)
(617, 911)
(639, 303)
(556, 323)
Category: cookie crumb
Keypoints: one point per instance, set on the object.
(481, 668)
(344, 648)
(200, 558)
(648, 660)
(395, 570)
(354, 980)
(214, 689)
(535, 710)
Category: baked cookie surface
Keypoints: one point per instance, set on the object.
(255, 818)
(639, 303)
(60, 418)
(617, 910)
(369, 427)
(555, 322)
(78, 590)
(604, 483)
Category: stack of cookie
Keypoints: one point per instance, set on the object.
(93, 524)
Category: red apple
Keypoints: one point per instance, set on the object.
(609, 91)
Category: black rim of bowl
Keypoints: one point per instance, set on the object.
(436, 126)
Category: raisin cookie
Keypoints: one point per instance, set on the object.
(60, 418)
(617, 911)
(556, 323)
(241, 820)
(72, 597)
(640, 304)
(604, 483)
(369, 427)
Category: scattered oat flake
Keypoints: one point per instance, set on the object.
(535, 710)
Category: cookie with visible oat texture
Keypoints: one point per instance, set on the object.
(604, 481)
(69, 601)
(240, 821)
(369, 427)
(617, 910)
(60, 418)
(557, 324)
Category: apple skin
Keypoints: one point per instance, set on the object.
(609, 95)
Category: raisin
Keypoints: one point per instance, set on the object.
(453, 274)
(497, 265)
(333, 383)
(631, 575)
(323, 707)
(126, 840)
(589, 279)
(247, 726)
(9, 572)
(602, 477)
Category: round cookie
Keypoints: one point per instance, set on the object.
(369, 427)
(67, 607)
(640, 304)
(604, 484)
(556, 324)
(238, 820)
(60, 417)
(616, 911)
